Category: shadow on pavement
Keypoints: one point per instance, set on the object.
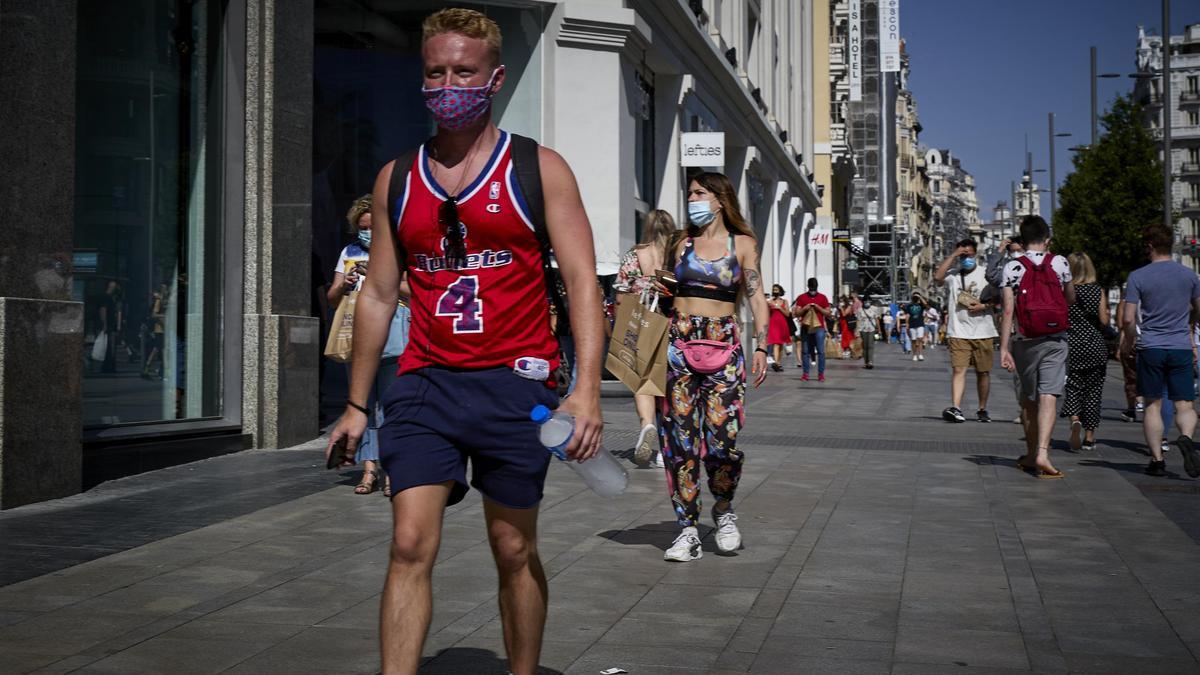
(459, 660)
(659, 535)
(1138, 468)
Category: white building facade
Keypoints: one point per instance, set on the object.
(1184, 113)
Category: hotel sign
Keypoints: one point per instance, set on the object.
(854, 50)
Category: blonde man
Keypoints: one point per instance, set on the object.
(482, 353)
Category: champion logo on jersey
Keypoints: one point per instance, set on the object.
(494, 190)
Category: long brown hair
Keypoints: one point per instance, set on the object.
(731, 212)
(658, 232)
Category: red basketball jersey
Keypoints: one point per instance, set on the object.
(490, 308)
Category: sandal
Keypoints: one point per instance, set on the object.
(387, 486)
(366, 487)
(1046, 475)
(1023, 466)
(1075, 442)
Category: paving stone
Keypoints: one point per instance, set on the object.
(897, 544)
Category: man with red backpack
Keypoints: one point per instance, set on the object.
(1036, 291)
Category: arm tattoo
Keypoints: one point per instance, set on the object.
(752, 281)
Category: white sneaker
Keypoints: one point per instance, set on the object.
(686, 547)
(728, 538)
(914, 357)
(656, 462)
(920, 357)
(645, 444)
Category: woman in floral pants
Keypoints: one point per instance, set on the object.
(706, 372)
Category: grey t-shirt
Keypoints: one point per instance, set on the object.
(1163, 292)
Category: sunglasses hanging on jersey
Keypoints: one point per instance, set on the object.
(448, 220)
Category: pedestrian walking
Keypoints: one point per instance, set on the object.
(637, 275)
(1127, 357)
(1087, 354)
(1160, 298)
(1010, 249)
(933, 319)
(348, 276)
(915, 311)
(889, 324)
(1033, 338)
(813, 310)
(869, 313)
(470, 213)
(779, 331)
(847, 324)
(970, 331)
(706, 376)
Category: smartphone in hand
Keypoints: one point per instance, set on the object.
(337, 454)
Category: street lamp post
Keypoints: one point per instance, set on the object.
(1094, 78)
(1053, 187)
(1166, 113)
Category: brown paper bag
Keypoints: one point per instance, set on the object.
(340, 344)
(637, 352)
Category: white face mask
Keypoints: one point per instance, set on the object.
(701, 212)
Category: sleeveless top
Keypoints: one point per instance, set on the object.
(1086, 347)
(712, 279)
(488, 309)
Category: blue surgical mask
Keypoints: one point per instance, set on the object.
(700, 213)
(967, 264)
(364, 238)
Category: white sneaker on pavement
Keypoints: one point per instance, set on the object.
(727, 537)
(914, 357)
(921, 357)
(686, 547)
(656, 462)
(645, 444)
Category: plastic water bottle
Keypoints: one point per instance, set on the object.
(602, 473)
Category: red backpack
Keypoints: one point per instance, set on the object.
(1041, 305)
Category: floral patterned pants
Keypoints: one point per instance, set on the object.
(701, 416)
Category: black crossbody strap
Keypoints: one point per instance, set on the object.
(527, 169)
(400, 171)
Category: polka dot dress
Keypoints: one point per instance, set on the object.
(1087, 357)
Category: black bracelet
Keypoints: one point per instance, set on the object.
(359, 408)
(760, 349)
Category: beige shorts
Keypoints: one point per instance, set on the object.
(965, 353)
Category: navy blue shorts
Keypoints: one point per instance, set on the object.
(1169, 369)
(436, 419)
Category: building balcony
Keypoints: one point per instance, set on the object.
(1189, 169)
(1190, 206)
(1189, 98)
(906, 162)
(1188, 132)
(1151, 100)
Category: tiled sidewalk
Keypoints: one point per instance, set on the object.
(877, 539)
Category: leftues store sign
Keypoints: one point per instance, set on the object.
(702, 148)
(854, 47)
(889, 36)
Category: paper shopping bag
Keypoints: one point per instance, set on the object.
(637, 353)
(340, 344)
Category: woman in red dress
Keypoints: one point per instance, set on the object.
(779, 330)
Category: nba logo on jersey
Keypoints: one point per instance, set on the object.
(494, 190)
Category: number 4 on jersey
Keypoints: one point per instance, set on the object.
(461, 301)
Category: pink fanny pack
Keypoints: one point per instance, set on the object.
(705, 356)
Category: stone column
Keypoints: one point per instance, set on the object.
(592, 125)
(41, 329)
(280, 340)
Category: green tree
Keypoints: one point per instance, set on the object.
(1114, 191)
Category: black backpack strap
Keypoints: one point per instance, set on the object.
(400, 171)
(527, 169)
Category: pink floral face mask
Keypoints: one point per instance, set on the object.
(456, 108)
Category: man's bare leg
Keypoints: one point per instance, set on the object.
(1185, 417)
(1029, 420)
(523, 591)
(1045, 429)
(1152, 427)
(958, 384)
(407, 604)
(983, 386)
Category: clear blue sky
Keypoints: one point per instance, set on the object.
(985, 73)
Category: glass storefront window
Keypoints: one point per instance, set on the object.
(148, 213)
